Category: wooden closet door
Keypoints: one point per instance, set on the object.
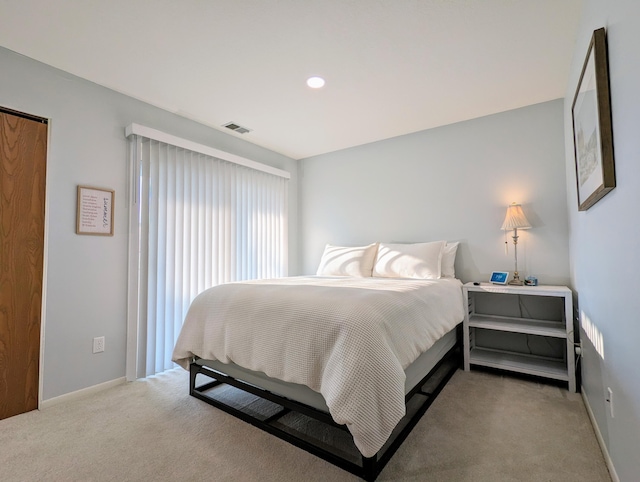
(23, 147)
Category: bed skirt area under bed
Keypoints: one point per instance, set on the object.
(307, 425)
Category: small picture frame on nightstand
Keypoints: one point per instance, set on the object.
(499, 277)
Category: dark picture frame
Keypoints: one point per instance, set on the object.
(592, 132)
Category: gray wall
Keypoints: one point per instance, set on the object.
(86, 276)
(452, 182)
(604, 240)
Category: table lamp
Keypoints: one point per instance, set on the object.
(515, 219)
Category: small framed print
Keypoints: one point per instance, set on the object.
(499, 277)
(95, 211)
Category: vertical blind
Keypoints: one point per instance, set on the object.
(202, 221)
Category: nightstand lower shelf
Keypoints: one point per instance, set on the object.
(519, 363)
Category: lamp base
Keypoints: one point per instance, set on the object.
(516, 281)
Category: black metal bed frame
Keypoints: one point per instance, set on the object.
(370, 467)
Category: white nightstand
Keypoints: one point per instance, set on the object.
(491, 314)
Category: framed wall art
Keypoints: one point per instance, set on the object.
(95, 211)
(592, 132)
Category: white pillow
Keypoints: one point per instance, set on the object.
(448, 260)
(347, 261)
(418, 260)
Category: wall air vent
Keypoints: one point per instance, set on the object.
(236, 128)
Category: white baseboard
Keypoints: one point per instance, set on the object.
(603, 447)
(67, 397)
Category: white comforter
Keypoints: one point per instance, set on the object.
(348, 338)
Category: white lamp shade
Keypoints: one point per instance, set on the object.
(515, 218)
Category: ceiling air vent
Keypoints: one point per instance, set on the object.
(236, 128)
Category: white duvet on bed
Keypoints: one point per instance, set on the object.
(347, 338)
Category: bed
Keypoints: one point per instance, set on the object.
(350, 351)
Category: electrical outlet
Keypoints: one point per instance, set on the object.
(609, 400)
(98, 344)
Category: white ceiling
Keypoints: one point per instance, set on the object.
(392, 66)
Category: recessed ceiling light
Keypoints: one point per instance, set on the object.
(315, 82)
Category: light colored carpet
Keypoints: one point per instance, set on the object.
(482, 427)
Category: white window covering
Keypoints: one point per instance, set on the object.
(196, 221)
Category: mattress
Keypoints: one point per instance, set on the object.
(349, 339)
